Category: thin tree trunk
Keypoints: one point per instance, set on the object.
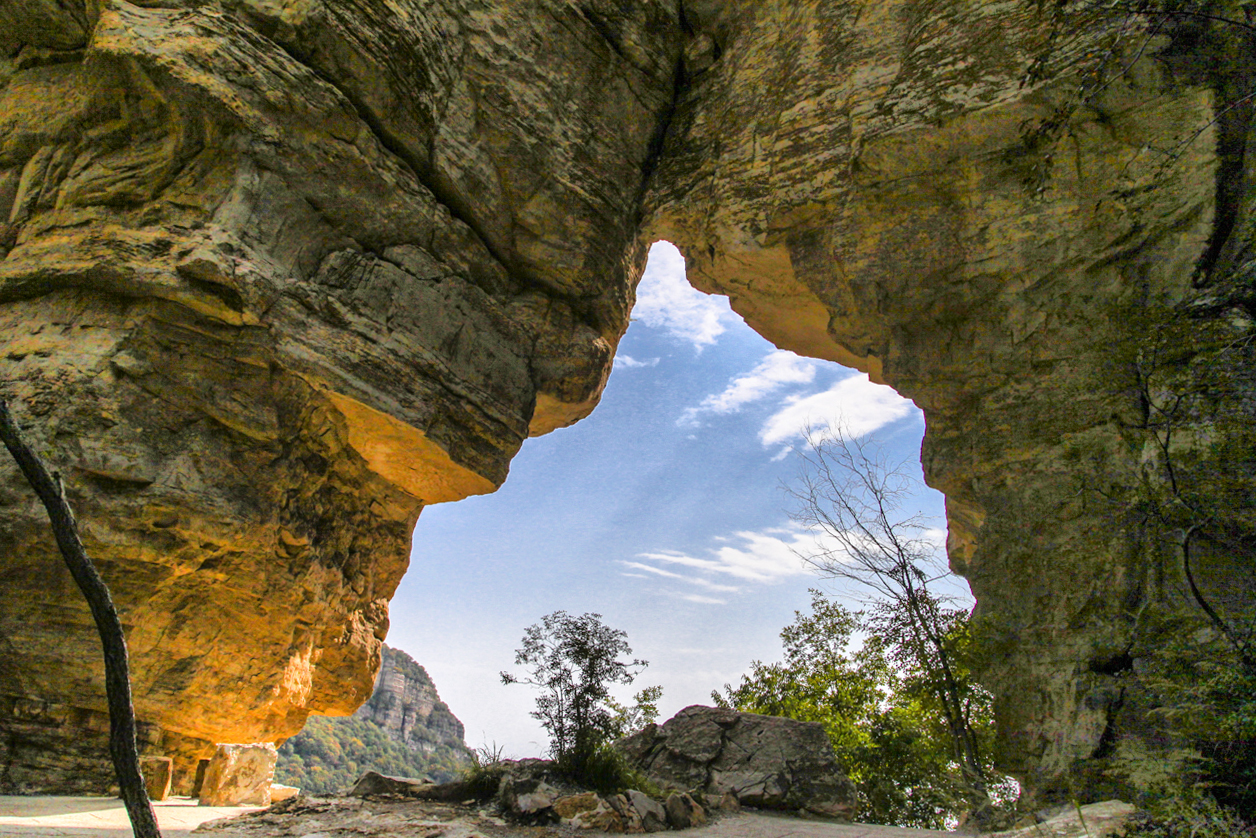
(122, 748)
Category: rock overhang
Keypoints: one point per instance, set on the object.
(280, 275)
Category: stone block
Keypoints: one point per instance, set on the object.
(240, 775)
(157, 772)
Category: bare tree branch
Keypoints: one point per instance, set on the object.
(122, 747)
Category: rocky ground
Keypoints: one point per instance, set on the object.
(53, 817)
(396, 818)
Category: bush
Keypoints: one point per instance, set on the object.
(604, 770)
(1189, 815)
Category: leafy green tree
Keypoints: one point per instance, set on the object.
(881, 717)
(852, 499)
(644, 710)
(572, 661)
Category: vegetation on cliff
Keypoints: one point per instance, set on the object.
(329, 756)
(403, 730)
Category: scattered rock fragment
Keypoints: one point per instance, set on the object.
(372, 782)
(653, 815)
(527, 795)
(683, 811)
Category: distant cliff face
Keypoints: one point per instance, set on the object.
(277, 275)
(405, 704)
(403, 730)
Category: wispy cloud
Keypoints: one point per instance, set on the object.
(761, 557)
(705, 600)
(666, 300)
(776, 370)
(667, 574)
(855, 405)
(632, 363)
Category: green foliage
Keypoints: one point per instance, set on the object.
(604, 770)
(1188, 816)
(572, 661)
(1206, 696)
(330, 754)
(879, 709)
(628, 720)
(484, 775)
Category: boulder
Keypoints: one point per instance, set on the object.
(592, 811)
(653, 815)
(527, 795)
(240, 775)
(575, 804)
(725, 802)
(766, 761)
(279, 793)
(372, 782)
(628, 813)
(683, 811)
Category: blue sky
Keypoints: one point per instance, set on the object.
(662, 511)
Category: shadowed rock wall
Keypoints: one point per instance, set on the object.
(277, 275)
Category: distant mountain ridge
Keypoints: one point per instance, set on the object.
(404, 729)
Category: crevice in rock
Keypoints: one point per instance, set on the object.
(1108, 739)
(1114, 665)
(658, 140)
(604, 29)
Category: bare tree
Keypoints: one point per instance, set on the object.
(122, 747)
(851, 497)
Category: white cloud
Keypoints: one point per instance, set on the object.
(632, 363)
(705, 600)
(854, 405)
(667, 574)
(761, 557)
(666, 300)
(776, 370)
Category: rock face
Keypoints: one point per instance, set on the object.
(272, 281)
(406, 705)
(275, 276)
(766, 761)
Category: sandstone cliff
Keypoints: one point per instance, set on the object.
(276, 275)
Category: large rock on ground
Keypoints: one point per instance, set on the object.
(239, 775)
(766, 761)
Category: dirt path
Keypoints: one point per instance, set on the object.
(100, 817)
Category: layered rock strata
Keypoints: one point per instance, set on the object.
(273, 279)
(408, 708)
(277, 275)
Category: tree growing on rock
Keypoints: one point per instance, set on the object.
(572, 662)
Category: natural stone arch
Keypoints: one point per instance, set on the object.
(276, 275)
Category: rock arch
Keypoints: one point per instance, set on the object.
(277, 275)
